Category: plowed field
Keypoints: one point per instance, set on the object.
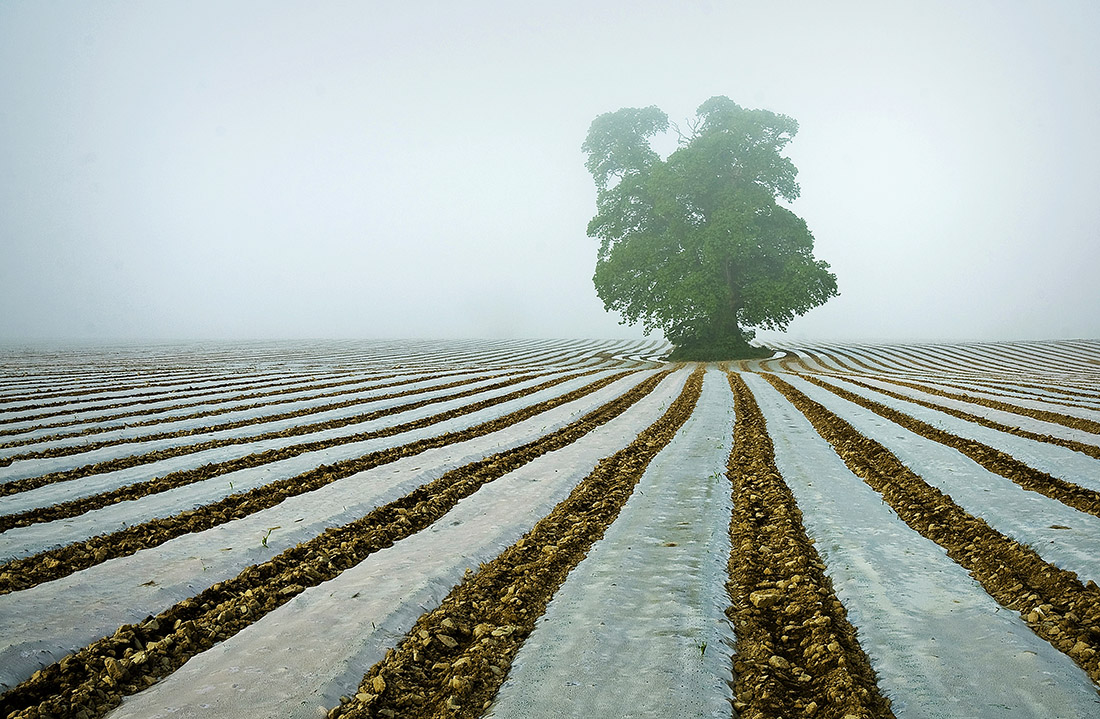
(548, 529)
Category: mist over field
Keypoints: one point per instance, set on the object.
(281, 170)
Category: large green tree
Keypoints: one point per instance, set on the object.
(696, 245)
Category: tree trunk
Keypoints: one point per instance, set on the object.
(727, 324)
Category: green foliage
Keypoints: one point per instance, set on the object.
(696, 245)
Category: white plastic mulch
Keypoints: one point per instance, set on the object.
(86, 405)
(1063, 536)
(1056, 461)
(299, 659)
(940, 645)
(639, 629)
(228, 412)
(1011, 419)
(1051, 397)
(22, 468)
(23, 541)
(36, 625)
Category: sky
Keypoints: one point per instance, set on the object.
(276, 169)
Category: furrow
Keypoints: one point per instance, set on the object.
(454, 659)
(159, 455)
(1080, 423)
(510, 361)
(1053, 393)
(38, 537)
(44, 566)
(35, 624)
(1080, 498)
(1068, 442)
(190, 475)
(1053, 602)
(827, 354)
(657, 578)
(94, 679)
(73, 394)
(223, 398)
(811, 361)
(102, 424)
(73, 449)
(149, 397)
(797, 653)
(1060, 534)
(933, 635)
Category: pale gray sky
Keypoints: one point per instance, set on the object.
(373, 169)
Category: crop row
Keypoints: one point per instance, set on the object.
(394, 543)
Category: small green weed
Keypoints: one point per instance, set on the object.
(269, 531)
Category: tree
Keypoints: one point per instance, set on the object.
(696, 245)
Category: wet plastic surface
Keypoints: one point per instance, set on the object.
(941, 646)
(1059, 462)
(36, 467)
(997, 415)
(272, 405)
(39, 624)
(639, 629)
(204, 402)
(23, 541)
(1021, 396)
(298, 659)
(1063, 536)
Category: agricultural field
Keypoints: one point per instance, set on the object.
(550, 528)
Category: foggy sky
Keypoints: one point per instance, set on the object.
(178, 170)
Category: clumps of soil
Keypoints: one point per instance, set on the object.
(455, 658)
(93, 680)
(1053, 601)
(162, 483)
(1066, 420)
(1089, 449)
(73, 449)
(996, 461)
(100, 423)
(796, 653)
(30, 571)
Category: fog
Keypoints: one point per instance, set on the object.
(177, 170)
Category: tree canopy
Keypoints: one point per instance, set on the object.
(696, 245)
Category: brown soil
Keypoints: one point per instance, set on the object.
(100, 426)
(1053, 601)
(92, 681)
(796, 654)
(162, 454)
(455, 658)
(1089, 449)
(158, 396)
(30, 571)
(996, 461)
(998, 390)
(76, 507)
